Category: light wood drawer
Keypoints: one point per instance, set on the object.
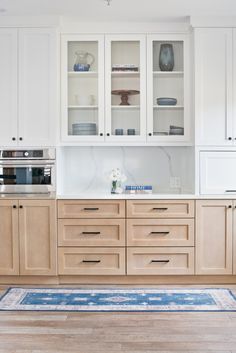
(160, 208)
(160, 261)
(160, 232)
(91, 232)
(91, 209)
(91, 261)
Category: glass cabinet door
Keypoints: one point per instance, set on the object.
(167, 84)
(82, 88)
(125, 88)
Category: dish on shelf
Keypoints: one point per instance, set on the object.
(124, 95)
(84, 129)
(160, 133)
(166, 101)
(176, 130)
(124, 67)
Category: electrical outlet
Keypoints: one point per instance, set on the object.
(175, 182)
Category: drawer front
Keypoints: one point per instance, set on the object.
(91, 261)
(91, 209)
(160, 232)
(160, 261)
(91, 232)
(160, 209)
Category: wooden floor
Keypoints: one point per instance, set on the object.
(34, 332)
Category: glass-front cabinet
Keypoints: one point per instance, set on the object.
(125, 83)
(82, 88)
(168, 93)
(129, 88)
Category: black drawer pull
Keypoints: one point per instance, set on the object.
(92, 233)
(160, 208)
(158, 233)
(91, 208)
(161, 261)
(230, 190)
(91, 261)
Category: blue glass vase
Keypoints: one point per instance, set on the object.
(166, 57)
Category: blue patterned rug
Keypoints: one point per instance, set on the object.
(100, 300)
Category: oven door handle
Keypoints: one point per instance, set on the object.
(31, 164)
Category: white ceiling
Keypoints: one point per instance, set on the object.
(119, 10)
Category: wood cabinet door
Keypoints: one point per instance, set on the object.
(38, 238)
(37, 86)
(214, 237)
(8, 87)
(213, 86)
(9, 249)
(234, 238)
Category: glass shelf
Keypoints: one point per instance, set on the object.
(123, 74)
(82, 107)
(171, 107)
(168, 73)
(124, 107)
(83, 74)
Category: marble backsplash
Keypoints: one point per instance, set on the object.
(87, 169)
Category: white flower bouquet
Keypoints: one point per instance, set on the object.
(117, 178)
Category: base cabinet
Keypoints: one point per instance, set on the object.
(9, 240)
(28, 237)
(214, 237)
(38, 237)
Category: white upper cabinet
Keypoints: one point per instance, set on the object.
(28, 87)
(37, 87)
(125, 88)
(214, 86)
(217, 172)
(168, 88)
(82, 88)
(8, 87)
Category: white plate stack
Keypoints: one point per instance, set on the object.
(84, 129)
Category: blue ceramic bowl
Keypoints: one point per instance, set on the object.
(166, 101)
(81, 67)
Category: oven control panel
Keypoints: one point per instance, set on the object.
(28, 154)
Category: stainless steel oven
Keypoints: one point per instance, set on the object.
(27, 171)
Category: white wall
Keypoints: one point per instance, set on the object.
(86, 169)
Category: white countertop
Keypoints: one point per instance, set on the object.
(154, 196)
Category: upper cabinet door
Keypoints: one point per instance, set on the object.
(125, 88)
(213, 86)
(217, 172)
(82, 88)
(168, 99)
(8, 87)
(37, 87)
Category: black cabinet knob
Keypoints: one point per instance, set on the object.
(229, 206)
(108, 134)
(101, 134)
(21, 138)
(14, 206)
(229, 138)
(13, 139)
(21, 206)
(150, 134)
